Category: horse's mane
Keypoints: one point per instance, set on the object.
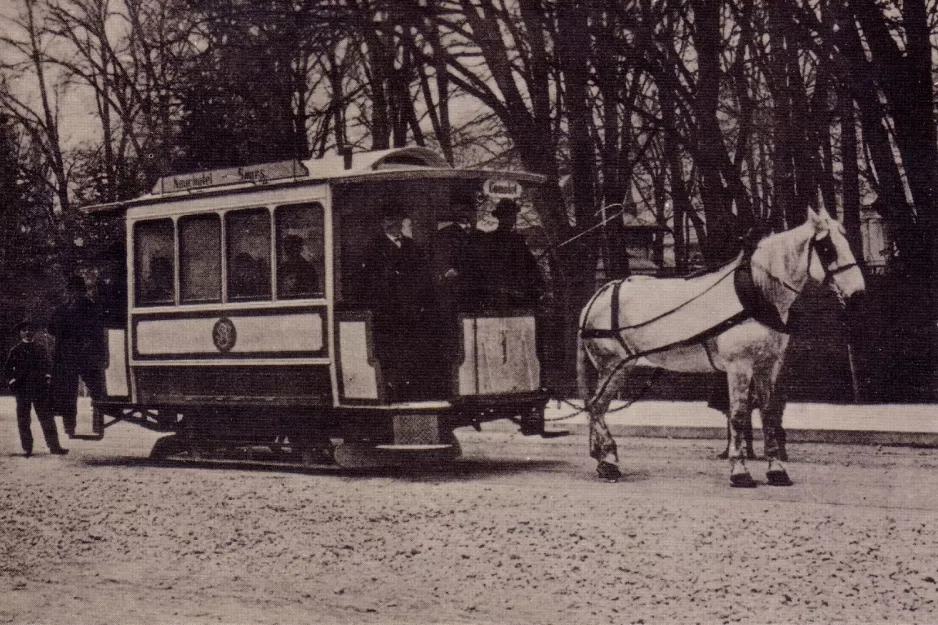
(777, 260)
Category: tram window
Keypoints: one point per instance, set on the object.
(200, 258)
(299, 251)
(155, 270)
(248, 244)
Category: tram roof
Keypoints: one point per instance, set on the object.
(395, 163)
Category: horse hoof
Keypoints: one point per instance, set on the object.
(608, 471)
(778, 478)
(742, 480)
(723, 455)
(750, 454)
(783, 455)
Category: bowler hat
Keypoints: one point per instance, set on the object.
(505, 208)
(24, 324)
(76, 283)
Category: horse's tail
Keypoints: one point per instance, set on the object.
(583, 365)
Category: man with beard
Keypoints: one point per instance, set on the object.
(398, 289)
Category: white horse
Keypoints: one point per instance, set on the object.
(706, 324)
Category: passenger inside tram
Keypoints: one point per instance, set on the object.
(296, 276)
(248, 277)
(159, 282)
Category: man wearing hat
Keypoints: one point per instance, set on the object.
(455, 254)
(398, 289)
(511, 275)
(27, 372)
(456, 271)
(80, 351)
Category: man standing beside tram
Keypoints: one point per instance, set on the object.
(80, 351)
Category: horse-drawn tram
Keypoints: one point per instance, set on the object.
(266, 308)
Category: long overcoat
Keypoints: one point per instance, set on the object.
(30, 366)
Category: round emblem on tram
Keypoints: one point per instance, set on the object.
(224, 334)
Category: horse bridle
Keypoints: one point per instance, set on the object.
(826, 252)
(827, 255)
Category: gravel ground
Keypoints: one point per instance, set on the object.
(517, 531)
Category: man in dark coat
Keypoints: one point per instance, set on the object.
(456, 259)
(511, 275)
(28, 372)
(80, 350)
(112, 287)
(456, 250)
(398, 289)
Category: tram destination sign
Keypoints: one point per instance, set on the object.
(502, 188)
(256, 174)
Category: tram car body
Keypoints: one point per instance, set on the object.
(220, 348)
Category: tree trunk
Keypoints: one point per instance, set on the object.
(721, 223)
(675, 166)
(851, 173)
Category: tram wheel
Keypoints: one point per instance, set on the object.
(167, 446)
(357, 455)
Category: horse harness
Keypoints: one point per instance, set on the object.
(754, 303)
(615, 331)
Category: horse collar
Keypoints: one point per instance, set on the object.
(754, 302)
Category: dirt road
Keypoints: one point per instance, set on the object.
(517, 531)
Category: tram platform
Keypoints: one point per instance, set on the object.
(874, 424)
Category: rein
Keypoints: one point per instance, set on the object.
(602, 223)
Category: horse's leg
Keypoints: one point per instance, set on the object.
(747, 436)
(772, 407)
(725, 454)
(719, 400)
(602, 446)
(740, 378)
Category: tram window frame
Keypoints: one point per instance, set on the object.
(313, 241)
(141, 297)
(231, 252)
(187, 262)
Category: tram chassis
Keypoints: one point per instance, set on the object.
(367, 436)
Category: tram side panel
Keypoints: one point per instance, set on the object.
(244, 374)
(117, 373)
(232, 357)
(359, 372)
(499, 356)
(497, 360)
